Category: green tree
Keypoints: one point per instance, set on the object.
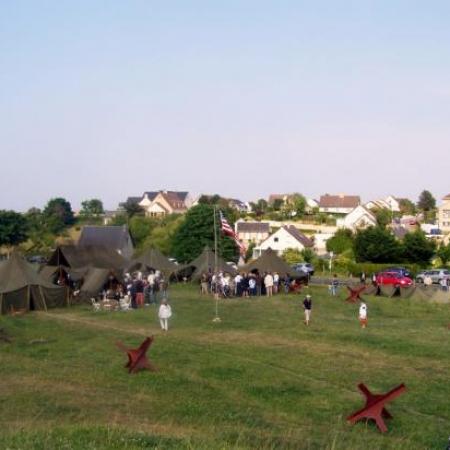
(132, 208)
(377, 245)
(307, 255)
(162, 235)
(444, 253)
(277, 204)
(417, 248)
(407, 207)
(383, 216)
(58, 214)
(13, 228)
(140, 228)
(299, 204)
(249, 251)
(427, 204)
(92, 207)
(259, 208)
(292, 256)
(196, 231)
(341, 241)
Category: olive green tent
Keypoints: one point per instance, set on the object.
(205, 263)
(77, 257)
(22, 288)
(95, 280)
(153, 259)
(269, 261)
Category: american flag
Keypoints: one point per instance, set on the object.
(228, 231)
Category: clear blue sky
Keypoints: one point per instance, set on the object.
(244, 98)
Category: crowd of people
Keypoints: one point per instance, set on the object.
(251, 284)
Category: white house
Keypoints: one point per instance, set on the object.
(161, 203)
(286, 237)
(338, 204)
(444, 215)
(390, 202)
(248, 232)
(320, 242)
(359, 218)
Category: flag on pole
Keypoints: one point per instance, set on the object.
(228, 231)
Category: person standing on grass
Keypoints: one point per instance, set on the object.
(363, 315)
(164, 314)
(334, 285)
(268, 283)
(307, 306)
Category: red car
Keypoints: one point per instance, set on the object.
(393, 278)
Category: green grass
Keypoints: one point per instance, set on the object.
(258, 379)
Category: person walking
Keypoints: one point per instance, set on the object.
(334, 285)
(307, 306)
(164, 314)
(362, 315)
(268, 283)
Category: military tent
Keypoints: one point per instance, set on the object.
(22, 288)
(76, 257)
(154, 259)
(269, 261)
(205, 263)
(96, 280)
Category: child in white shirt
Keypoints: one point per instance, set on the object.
(164, 314)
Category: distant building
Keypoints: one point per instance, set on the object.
(161, 203)
(112, 237)
(359, 218)
(286, 237)
(444, 215)
(248, 232)
(338, 204)
(390, 202)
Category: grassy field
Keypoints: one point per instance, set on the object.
(258, 379)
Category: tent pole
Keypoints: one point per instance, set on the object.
(43, 298)
(29, 297)
(216, 294)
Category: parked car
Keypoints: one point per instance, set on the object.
(304, 267)
(394, 279)
(401, 270)
(436, 275)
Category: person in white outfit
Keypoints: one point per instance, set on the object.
(164, 314)
(268, 282)
(363, 315)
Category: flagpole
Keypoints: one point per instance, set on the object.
(216, 293)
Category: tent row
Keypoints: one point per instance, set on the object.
(24, 288)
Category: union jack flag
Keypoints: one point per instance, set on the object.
(228, 231)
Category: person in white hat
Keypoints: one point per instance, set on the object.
(363, 315)
(307, 306)
(164, 314)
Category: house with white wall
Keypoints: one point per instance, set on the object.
(338, 204)
(358, 218)
(284, 238)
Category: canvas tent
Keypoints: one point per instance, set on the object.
(96, 279)
(205, 263)
(76, 257)
(154, 259)
(114, 237)
(22, 288)
(269, 261)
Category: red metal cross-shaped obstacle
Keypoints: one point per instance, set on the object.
(355, 294)
(374, 408)
(137, 358)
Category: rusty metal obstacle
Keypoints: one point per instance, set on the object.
(355, 294)
(374, 408)
(137, 358)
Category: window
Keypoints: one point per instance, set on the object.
(275, 239)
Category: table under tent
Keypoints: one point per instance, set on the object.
(23, 289)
